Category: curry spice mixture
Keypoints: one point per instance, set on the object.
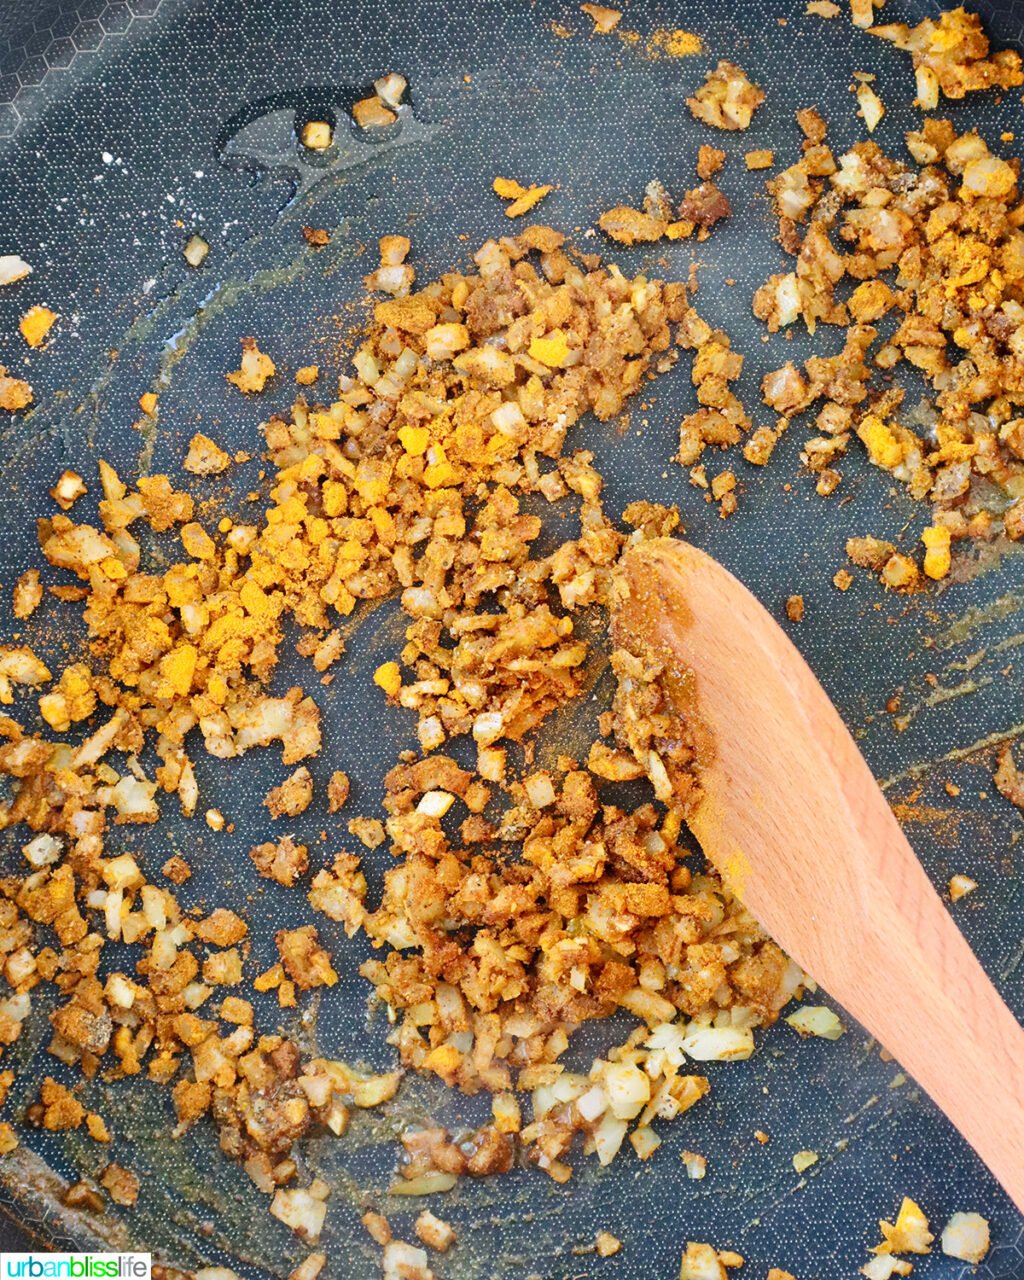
(520, 902)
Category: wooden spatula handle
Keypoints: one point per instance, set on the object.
(796, 822)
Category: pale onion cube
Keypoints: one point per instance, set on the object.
(718, 1044)
(644, 1141)
(592, 1104)
(300, 1209)
(960, 886)
(927, 89)
(569, 1086)
(871, 106)
(427, 1184)
(658, 775)
(309, 1268)
(316, 135)
(966, 1236)
(366, 366)
(154, 906)
(490, 763)
(508, 419)
(608, 1138)
(195, 251)
(696, 1166)
(112, 912)
(42, 850)
(628, 1089)
(12, 268)
(404, 1261)
(444, 340)
(390, 89)
(430, 732)
(540, 789)
(542, 1100)
(816, 1020)
(700, 1262)
(435, 804)
(505, 1109)
(488, 727)
(885, 1266)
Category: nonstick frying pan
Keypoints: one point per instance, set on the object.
(125, 127)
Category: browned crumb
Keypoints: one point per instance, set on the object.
(869, 552)
(27, 594)
(703, 1260)
(256, 369)
(605, 19)
(293, 796)
(760, 446)
(523, 199)
(631, 226)
(828, 481)
(843, 579)
(205, 457)
(960, 886)
(900, 573)
(795, 608)
(811, 124)
(338, 789)
(377, 1226)
(723, 490)
(1009, 782)
(235, 1009)
(36, 323)
(15, 393)
(284, 861)
(309, 1268)
(60, 1109)
(307, 375)
(435, 1232)
(704, 206)
(121, 1183)
(82, 1195)
(317, 237)
(370, 831)
(607, 1245)
(176, 869)
(762, 158)
(307, 964)
(371, 113)
(726, 99)
(221, 928)
(709, 161)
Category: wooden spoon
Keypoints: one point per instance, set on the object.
(795, 822)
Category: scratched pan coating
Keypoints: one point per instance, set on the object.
(195, 106)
